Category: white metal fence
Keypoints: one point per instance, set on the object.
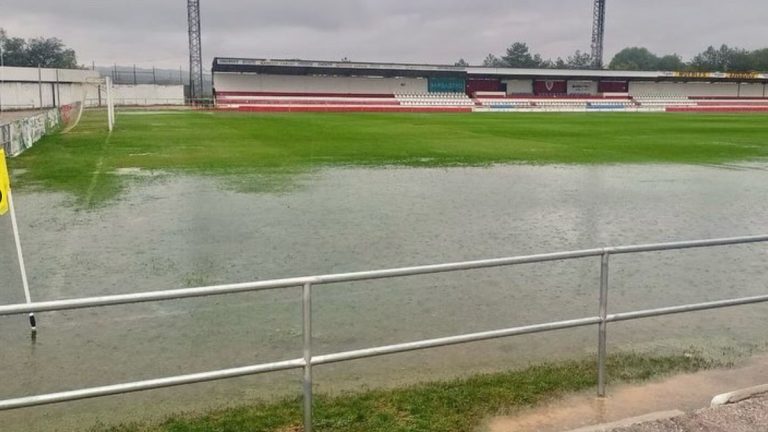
(308, 358)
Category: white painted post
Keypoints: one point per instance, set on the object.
(22, 267)
(110, 104)
(40, 84)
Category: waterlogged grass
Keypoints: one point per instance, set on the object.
(261, 152)
(454, 406)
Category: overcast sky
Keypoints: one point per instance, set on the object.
(148, 32)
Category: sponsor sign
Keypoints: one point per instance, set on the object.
(693, 74)
(721, 75)
(582, 87)
(743, 75)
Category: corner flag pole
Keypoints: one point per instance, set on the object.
(22, 267)
(6, 203)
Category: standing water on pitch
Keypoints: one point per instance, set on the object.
(171, 232)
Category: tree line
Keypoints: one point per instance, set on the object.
(519, 55)
(43, 52)
(723, 59)
(52, 53)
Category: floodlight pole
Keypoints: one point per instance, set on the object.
(598, 33)
(195, 50)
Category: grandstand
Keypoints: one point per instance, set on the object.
(297, 85)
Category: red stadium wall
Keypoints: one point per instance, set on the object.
(613, 87)
(720, 109)
(342, 109)
(298, 94)
(548, 87)
(483, 85)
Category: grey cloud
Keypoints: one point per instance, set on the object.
(441, 31)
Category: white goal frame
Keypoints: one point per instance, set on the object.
(99, 83)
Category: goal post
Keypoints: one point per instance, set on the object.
(110, 103)
(96, 92)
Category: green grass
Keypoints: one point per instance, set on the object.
(268, 147)
(454, 406)
(83, 162)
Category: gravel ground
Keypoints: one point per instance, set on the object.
(747, 416)
(682, 393)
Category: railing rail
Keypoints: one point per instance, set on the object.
(308, 359)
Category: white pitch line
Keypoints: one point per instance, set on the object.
(98, 170)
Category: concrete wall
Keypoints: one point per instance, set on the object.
(19, 135)
(19, 95)
(142, 94)
(21, 88)
(29, 88)
(33, 75)
(519, 86)
(688, 89)
(753, 90)
(228, 82)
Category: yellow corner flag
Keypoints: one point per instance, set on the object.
(5, 184)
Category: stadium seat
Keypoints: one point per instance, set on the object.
(562, 103)
(343, 102)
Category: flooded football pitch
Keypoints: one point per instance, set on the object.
(169, 232)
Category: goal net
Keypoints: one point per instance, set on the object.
(96, 93)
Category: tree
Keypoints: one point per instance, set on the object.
(578, 60)
(707, 60)
(547, 64)
(635, 58)
(519, 56)
(13, 49)
(44, 52)
(760, 59)
(724, 59)
(462, 63)
(671, 62)
(493, 61)
(741, 61)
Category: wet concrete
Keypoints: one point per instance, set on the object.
(172, 232)
(685, 393)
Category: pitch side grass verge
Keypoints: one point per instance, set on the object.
(87, 162)
(451, 406)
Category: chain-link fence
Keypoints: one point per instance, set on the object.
(134, 75)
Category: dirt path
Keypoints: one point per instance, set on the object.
(686, 393)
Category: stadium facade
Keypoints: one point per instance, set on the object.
(302, 85)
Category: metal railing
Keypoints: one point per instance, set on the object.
(309, 359)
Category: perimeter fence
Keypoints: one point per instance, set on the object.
(309, 358)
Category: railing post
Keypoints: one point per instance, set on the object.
(602, 348)
(307, 382)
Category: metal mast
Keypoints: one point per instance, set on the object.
(195, 50)
(598, 33)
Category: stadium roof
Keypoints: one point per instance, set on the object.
(313, 67)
